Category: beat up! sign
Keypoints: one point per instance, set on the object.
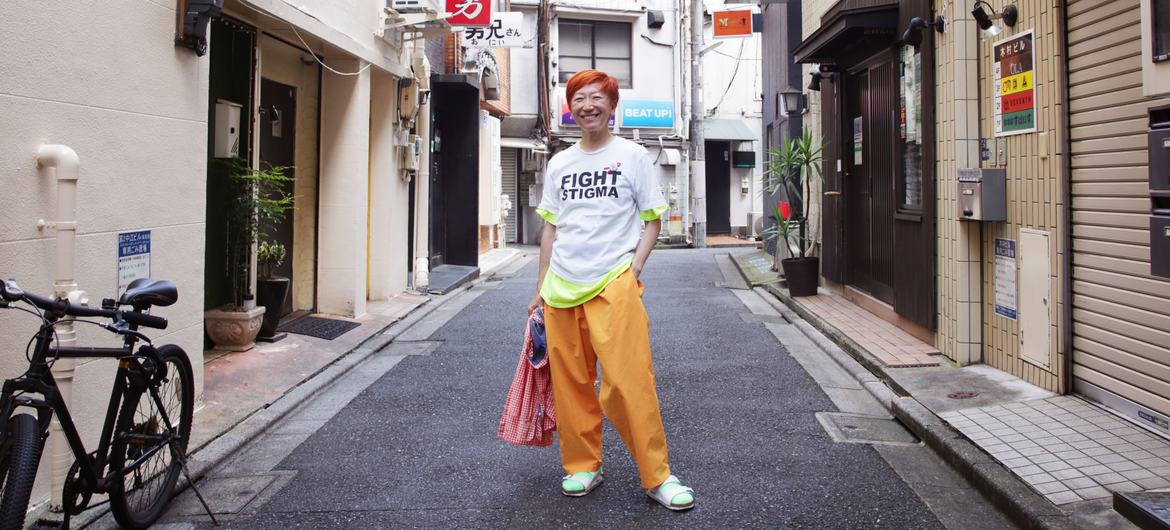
(1015, 84)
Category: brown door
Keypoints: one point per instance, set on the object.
(278, 111)
(870, 130)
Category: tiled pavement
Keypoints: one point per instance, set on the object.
(888, 343)
(1067, 449)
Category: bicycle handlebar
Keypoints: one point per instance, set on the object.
(12, 292)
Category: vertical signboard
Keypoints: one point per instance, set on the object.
(1015, 83)
(133, 258)
(469, 12)
(1005, 277)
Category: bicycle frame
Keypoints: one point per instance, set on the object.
(39, 380)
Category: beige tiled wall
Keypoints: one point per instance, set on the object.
(968, 329)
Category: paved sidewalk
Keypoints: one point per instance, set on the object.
(1052, 461)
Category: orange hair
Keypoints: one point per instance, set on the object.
(579, 80)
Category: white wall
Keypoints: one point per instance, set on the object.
(283, 63)
(732, 84)
(107, 81)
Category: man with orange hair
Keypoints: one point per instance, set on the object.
(597, 195)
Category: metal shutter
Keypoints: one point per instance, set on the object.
(1121, 314)
(508, 157)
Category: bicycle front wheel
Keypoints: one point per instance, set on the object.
(20, 452)
(148, 449)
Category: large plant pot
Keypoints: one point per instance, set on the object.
(271, 293)
(801, 275)
(233, 330)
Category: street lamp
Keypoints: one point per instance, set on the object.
(791, 101)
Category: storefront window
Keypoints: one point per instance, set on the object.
(910, 125)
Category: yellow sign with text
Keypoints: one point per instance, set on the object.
(1016, 83)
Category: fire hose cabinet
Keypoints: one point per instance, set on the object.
(1159, 174)
(982, 194)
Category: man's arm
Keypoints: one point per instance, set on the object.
(645, 245)
(547, 235)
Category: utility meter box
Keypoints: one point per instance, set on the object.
(982, 194)
(227, 129)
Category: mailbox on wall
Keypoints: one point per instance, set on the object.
(982, 194)
(1159, 174)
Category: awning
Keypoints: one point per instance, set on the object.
(848, 28)
(523, 143)
(721, 129)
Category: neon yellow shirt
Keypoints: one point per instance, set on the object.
(561, 293)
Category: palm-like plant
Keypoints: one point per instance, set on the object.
(790, 169)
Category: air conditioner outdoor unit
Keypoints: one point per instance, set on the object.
(414, 6)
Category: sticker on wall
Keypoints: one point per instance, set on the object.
(1005, 277)
(1014, 85)
(858, 140)
(133, 258)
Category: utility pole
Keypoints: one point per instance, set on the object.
(698, 162)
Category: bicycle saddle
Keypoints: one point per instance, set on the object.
(145, 292)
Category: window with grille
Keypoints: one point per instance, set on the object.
(599, 45)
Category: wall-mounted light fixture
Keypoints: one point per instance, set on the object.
(193, 17)
(986, 22)
(818, 73)
(791, 101)
(913, 35)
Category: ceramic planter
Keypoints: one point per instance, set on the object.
(233, 330)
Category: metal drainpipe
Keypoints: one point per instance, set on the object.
(1066, 223)
(422, 177)
(65, 163)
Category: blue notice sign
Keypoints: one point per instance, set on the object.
(647, 113)
(133, 257)
(1005, 278)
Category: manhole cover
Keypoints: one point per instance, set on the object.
(962, 395)
(855, 428)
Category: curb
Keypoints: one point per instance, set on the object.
(206, 457)
(1020, 504)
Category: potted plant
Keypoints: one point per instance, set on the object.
(257, 200)
(271, 290)
(790, 169)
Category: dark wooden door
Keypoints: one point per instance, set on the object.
(437, 229)
(278, 112)
(870, 133)
(718, 167)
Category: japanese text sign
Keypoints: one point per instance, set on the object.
(1014, 89)
(732, 24)
(503, 32)
(133, 258)
(469, 12)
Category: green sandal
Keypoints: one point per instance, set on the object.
(673, 495)
(580, 484)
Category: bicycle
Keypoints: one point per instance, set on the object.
(143, 442)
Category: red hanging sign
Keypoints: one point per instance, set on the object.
(469, 12)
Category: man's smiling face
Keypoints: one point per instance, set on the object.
(591, 108)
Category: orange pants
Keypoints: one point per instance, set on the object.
(611, 328)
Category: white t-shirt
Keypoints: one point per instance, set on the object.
(595, 198)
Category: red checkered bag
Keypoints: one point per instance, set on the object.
(528, 417)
